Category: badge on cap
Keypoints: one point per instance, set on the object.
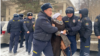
(27, 21)
(30, 14)
(74, 21)
(87, 24)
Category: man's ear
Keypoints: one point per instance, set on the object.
(44, 10)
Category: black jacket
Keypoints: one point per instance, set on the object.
(73, 24)
(28, 24)
(43, 28)
(14, 25)
(97, 26)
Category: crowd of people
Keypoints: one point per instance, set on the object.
(53, 34)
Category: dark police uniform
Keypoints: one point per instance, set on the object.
(97, 31)
(28, 26)
(43, 33)
(22, 32)
(85, 33)
(14, 28)
(73, 26)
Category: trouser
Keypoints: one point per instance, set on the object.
(22, 38)
(85, 47)
(28, 41)
(39, 46)
(14, 35)
(99, 47)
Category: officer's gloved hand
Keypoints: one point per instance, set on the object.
(69, 29)
(84, 39)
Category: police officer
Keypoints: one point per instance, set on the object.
(22, 32)
(85, 32)
(73, 26)
(28, 26)
(97, 31)
(43, 32)
(14, 28)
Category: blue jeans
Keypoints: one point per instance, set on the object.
(73, 45)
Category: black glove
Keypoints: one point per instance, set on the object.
(69, 29)
(84, 39)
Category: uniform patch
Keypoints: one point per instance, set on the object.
(18, 20)
(27, 21)
(13, 20)
(74, 20)
(66, 21)
(24, 21)
(96, 20)
(35, 52)
(87, 24)
(86, 46)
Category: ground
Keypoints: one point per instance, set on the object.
(22, 51)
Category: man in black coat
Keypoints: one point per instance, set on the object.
(14, 28)
(85, 32)
(73, 26)
(22, 32)
(28, 25)
(97, 31)
(43, 32)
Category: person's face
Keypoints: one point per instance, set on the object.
(30, 17)
(59, 18)
(48, 12)
(69, 15)
(80, 15)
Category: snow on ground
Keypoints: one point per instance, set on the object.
(20, 51)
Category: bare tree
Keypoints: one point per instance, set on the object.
(93, 6)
